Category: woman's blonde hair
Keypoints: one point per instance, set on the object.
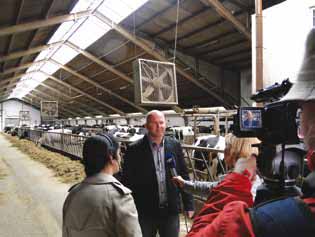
(237, 147)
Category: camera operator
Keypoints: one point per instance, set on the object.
(227, 211)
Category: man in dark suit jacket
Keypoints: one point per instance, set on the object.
(146, 173)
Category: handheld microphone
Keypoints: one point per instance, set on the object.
(170, 161)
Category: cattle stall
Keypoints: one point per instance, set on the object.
(72, 145)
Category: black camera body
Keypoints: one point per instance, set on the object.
(276, 123)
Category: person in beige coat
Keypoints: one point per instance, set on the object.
(100, 206)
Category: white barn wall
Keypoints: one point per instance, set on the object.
(12, 108)
(246, 88)
(285, 27)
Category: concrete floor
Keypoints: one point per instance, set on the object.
(31, 198)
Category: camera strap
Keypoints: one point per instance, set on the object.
(287, 217)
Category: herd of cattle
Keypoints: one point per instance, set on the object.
(70, 139)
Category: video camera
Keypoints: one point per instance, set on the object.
(274, 124)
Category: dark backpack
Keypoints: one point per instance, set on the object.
(287, 217)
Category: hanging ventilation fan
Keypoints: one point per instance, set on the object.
(155, 83)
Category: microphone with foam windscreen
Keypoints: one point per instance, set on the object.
(171, 164)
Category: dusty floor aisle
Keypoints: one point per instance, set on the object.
(30, 197)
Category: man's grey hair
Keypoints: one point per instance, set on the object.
(149, 114)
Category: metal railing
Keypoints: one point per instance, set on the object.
(73, 144)
(208, 160)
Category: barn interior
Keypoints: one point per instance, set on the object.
(70, 69)
(49, 54)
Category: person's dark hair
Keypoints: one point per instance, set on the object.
(96, 152)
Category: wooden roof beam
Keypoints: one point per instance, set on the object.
(223, 46)
(3, 81)
(9, 88)
(68, 97)
(43, 23)
(28, 52)
(6, 89)
(79, 91)
(4, 96)
(180, 21)
(241, 5)
(234, 59)
(100, 62)
(53, 98)
(97, 85)
(11, 38)
(75, 74)
(36, 103)
(45, 16)
(207, 41)
(30, 101)
(159, 13)
(222, 11)
(21, 67)
(218, 57)
(206, 27)
(59, 107)
(155, 54)
(24, 74)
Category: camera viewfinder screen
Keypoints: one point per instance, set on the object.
(251, 119)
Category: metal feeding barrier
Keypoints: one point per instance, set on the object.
(73, 144)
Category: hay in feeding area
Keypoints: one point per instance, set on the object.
(65, 169)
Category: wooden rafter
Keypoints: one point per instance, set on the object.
(222, 47)
(48, 97)
(11, 39)
(36, 102)
(155, 54)
(21, 67)
(47, 11)
(33, 50)
(206, 27)
(216, 37)
(222, 11)
(59, 107)
(100, 62)
(79, 91)
(230, 54)
(97, 85)
(43, 23)
(182, 21)
(159, 13)
(241, 5)
(233, 59)
(67, 97)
